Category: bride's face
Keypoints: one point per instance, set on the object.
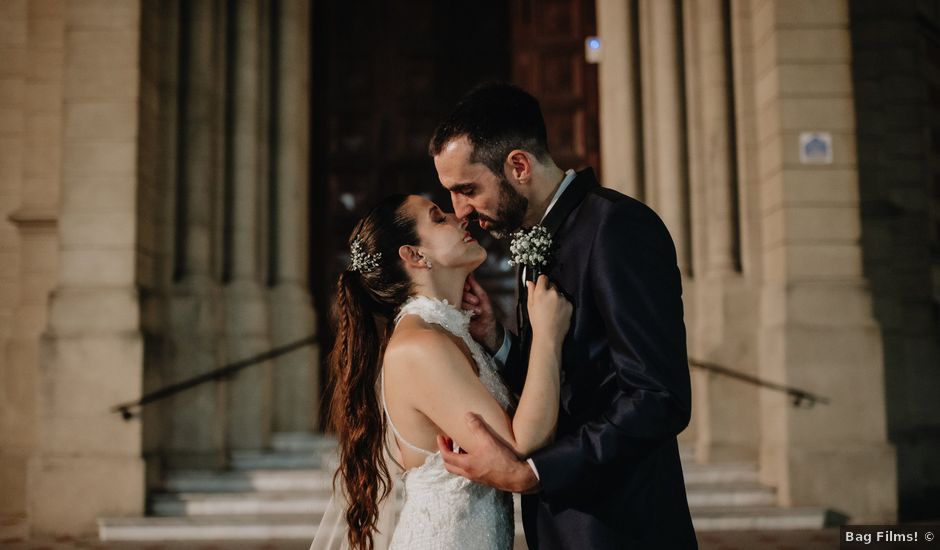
(444, 239)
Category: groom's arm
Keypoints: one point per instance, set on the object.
(638, 292)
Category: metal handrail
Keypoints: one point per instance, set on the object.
(221, 372)
(797, 395)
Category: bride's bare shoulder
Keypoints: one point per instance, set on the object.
(416, 344)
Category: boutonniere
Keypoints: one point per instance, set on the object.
(532, 249)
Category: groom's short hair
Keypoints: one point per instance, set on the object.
(496, 118)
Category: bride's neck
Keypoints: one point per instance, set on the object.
(443, 286)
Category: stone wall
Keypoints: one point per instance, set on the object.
(154, 175)
(817, 328)
(702, 106)
(32, 69)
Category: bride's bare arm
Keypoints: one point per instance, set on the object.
(442, 385)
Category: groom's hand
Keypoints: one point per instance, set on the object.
(492, 462)
(483, 326)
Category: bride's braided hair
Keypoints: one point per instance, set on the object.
(363, 312)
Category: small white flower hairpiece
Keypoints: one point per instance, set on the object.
(360, 260)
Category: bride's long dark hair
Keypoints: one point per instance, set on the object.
(363, 313)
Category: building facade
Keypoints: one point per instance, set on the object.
(166, 168)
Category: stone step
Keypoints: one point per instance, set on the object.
(281, 494)
(728, 472)
(227, 504)
(248, 503)
(304, 526)
(730, 494)
(281, 460)
(763, 518)
(302, 442)
(235, 496)
(325, 458)
(235, 527)
(204, 481)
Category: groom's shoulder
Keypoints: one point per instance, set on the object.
(604, 202)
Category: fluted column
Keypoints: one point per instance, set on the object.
(663, 124)
(723, 325)
(246, 312)
(715, 152)
(296, 376)
(619, 114)
(196, 423)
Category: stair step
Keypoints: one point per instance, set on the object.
(252, 503)
(284, 460)
(256, 503)
(304, 526)
(730, 494)
(764, 517)
(728, 472)
(202, 481)
(281, 494)
(302, 442)
(236, 527)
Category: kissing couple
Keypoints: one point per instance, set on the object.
(577, 408)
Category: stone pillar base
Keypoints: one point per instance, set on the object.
(858, 480)
(249, 391)
(68, 494)
(297, 374)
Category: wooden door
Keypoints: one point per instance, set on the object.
(547, 41)
(385, 73)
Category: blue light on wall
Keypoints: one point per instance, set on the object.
(592, 49)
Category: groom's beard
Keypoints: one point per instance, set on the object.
(510, 211)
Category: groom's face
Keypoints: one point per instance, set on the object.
(476, 190)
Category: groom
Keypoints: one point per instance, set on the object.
(612, 477)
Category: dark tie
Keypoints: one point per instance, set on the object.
(522, 314)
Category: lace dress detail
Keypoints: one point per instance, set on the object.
(441, 510)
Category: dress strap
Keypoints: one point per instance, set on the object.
(392, 424)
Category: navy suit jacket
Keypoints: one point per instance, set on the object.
(612, 476)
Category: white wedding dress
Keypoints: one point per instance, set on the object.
(441, 510)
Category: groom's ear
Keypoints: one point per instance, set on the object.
(519, 164)
(410, 255)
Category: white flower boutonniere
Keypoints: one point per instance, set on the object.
(532, 248)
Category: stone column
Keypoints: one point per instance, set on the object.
(725, 409)
(817, 329)
(619, 116)
(296, 376)
(662, 122)
(31, 72)
(246, 311)
(197, 421)
(87, 459)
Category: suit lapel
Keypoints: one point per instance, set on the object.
(583, 182)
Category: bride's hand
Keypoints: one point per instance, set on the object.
(549, 311)
(483, 326)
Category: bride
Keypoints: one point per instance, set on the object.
(404, 370)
